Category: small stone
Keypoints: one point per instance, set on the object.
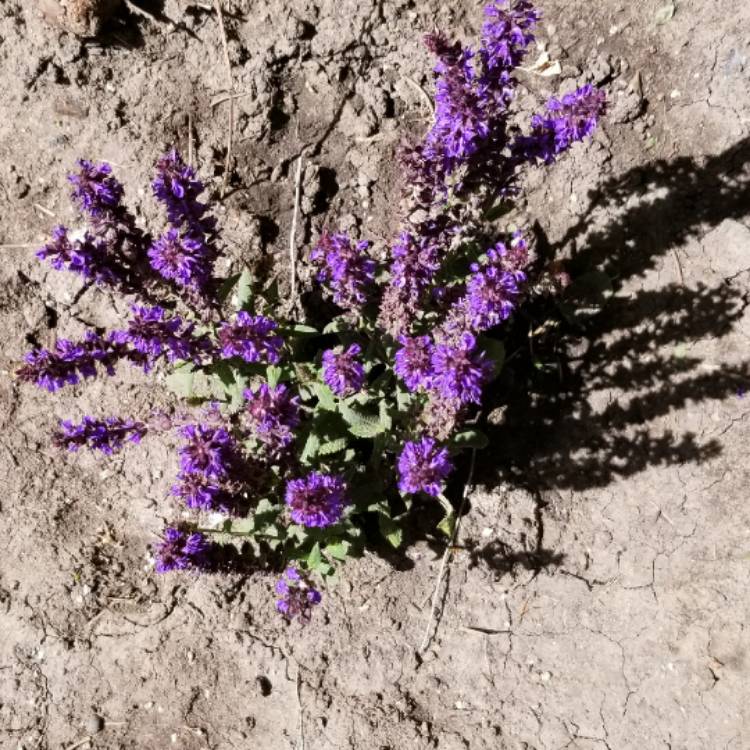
(93, 724)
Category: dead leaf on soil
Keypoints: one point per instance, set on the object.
(664, 14)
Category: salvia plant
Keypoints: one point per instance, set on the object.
(295, 437)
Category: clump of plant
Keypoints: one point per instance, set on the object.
(297, 435)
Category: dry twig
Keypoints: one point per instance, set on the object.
(228, 62)
(435, 615)
(293, 232)
(301, 743)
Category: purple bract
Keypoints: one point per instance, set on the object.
(251, 338)
(317, 500)
(181, 550)
(343, 373)
(296, 596)
(423, 467)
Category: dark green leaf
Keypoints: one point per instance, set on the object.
(180, 382)
(470, 439)
(332, 446)
(390, 530)
(314, 559)
(244, 290)
(326, 399)
(227, 286)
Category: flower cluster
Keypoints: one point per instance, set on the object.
(69, 362)
(181, 550)
(185, 253)
(316, 500)
(104, 435)
(272, 414)
(423, 467)
(296, 596)
(343, 373)
(345, 269)
(252, 338)
(298, 434)
(566, 121)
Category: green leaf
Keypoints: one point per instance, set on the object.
(390, 530)
(273, 375)
(300, 330)
(244, 290)
(181, 382)
(470, 439)
(332, 446)
(448, 524)
(326, 399)
(314, 559)
(335, 326)
(361, 424)
(499, 209)
(312, 445)
(226, 287)
(338, 550)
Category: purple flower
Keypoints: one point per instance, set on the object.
(296, 596)
(181, 550)
(251, 338)
(345, 269)
(152, 334)
(317, 499)
(460, 370)
(177, 187)
(210, 451)
(423, 467)
(492, 292)
(202, 492)
(105, 435)
(95, 191)
(272, 414)
(415, 262)
(567, 120)
(184, 259)
(69, 361)
(88, 257)
(342, 372)
(413, 361)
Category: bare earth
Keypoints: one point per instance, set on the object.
(600, 595)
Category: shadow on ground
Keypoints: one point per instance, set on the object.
(550, 436)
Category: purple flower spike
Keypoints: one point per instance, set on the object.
(296, 596)
(460, 370)
(423, 467)
(493, 291)
(181, 550)
(316, 500)
(342, 372)
(413, 361)
(345, 269)
(184, 259)
(95, 191)
(177, 187)
(272, 414)
(69, 362)
(210, 451)
(152, 334)
(104, 435)
(201, 492)
(251, 338)
(567, 120)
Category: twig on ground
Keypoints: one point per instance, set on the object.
(227, 97)
(293, 232)
(43, 210)
(679, 266)
(301, 743)
(435, 615)
(84, 741)
(16, 247)
(190, 139)
(228, 62)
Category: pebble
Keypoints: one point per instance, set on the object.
(93, 724)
